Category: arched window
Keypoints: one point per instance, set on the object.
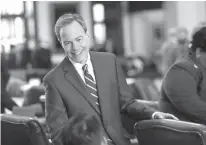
(17, 23)
(99, 23)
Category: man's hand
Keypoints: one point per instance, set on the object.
(162, 115)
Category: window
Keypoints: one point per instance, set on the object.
(99, 23)
(17, 23)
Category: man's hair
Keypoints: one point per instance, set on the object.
(68, 19)
(80, 129)
(199, 37)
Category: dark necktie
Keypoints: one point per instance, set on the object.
(90, 85)
(92, 89)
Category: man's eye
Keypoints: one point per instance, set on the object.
(67, 43)
(79, 39)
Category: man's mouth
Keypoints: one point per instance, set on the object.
(77, 53)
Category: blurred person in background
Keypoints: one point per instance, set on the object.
(4, 57)
(133, 66)
(26, 55)
(172, 50)
(42, 57)
(6, 101)
(171, 40)
(184, 85)
(91, 82)
(12, 57)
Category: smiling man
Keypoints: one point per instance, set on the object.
(75, 42)
(89, 82)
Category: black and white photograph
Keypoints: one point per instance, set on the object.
(103, 72)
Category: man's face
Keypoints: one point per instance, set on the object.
(75, 42)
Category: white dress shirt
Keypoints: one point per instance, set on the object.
(78, 67)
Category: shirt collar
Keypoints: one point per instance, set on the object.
(80, 65)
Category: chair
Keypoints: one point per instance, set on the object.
(170, 132)
(19, 130)
(128, 123)
(146, 89)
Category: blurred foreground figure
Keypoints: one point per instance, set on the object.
(184, 86)
(90, 82)
(82, 129)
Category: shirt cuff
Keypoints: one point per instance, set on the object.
(153, 115)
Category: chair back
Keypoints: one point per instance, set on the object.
(129, 123)
(170, 132)
(20, 130)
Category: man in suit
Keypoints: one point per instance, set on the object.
(184, 86)
(90, 82)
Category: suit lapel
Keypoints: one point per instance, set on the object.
(101, 74)
(73, 77)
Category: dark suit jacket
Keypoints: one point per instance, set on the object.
(66, 95)
(184, 90)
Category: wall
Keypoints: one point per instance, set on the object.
(44, 20)
(86, 12)
(184, 13)
(138, 28)
(126, 29)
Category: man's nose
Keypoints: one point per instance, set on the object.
(74, 45)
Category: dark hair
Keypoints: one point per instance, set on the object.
(80, 129)
(67, 19)
(199, 38)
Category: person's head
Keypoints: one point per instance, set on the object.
(172, 32)
(71, 31)
(82, 129)
(12, 48)
(182, 35)
(174, 49)
(199, 42)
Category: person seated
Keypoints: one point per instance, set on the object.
(14, 85)
(42, 58)
(6, 101)
(82, 129)
(184, 85)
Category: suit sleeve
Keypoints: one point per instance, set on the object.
(56, 115)
(128, 104)
(180, 87)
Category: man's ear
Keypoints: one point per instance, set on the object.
(87, 35)
(61, 43)
(88, 38)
